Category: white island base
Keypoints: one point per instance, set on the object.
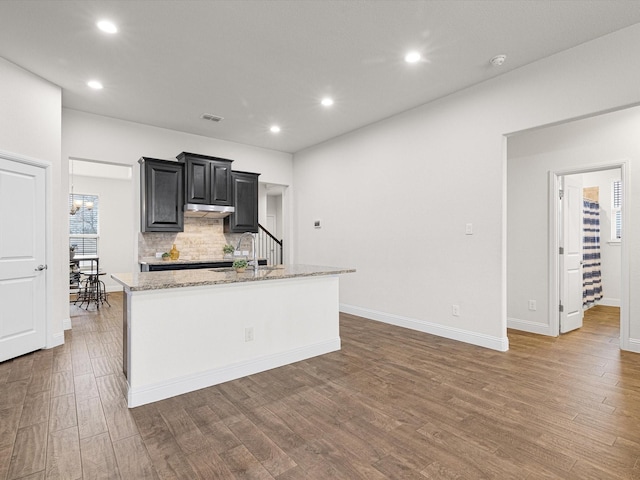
(182, 339)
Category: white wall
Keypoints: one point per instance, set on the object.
(394, 197)
(30, 126)
(101, 138)
(596, 141)
(116, 219)
(94, 137)
(262, 203)
(274, 208)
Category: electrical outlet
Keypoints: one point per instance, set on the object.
(468, 229)
(455, 310)
(248, 334)
(532, 305)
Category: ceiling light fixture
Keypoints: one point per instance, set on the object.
(498, 60)
(75, 204)
(412, 57)
(107, 26)
(327, 102)
(95, 84)
(275, 129)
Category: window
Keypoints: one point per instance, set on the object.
(616, 211)
(83, 223)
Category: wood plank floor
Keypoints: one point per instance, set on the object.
(392, 403)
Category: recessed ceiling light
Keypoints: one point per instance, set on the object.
(107, 26)
(498, 60)
(412, 57)
(275, 129)
(96, 85)
(327, 102)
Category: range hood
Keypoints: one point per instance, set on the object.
(207, 211)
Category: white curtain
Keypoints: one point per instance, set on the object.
(592, 275)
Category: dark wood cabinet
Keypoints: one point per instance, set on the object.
(244, 187)
(161, 195)
(207, 179)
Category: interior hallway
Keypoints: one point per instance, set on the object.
(393, 403)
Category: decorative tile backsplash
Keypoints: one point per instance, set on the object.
(202, 239)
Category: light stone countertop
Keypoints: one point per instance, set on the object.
(139, 281)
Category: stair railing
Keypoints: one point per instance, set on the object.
(269, 247)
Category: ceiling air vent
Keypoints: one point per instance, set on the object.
(213, 118)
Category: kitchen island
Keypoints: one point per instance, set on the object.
(189, 329)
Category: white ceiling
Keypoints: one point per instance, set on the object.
(260, 62)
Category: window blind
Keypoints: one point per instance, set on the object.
(84, 223)
(617, 209)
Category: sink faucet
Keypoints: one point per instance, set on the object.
(253, 262)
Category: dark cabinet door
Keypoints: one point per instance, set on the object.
(161, 195)
(198, 181)
(221, 183)
(208, 179)
(245, 196)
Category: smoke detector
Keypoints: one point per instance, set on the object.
(498, 60)
(211, 117)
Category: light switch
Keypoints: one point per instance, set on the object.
(468, 229)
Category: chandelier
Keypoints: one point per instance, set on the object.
(77, 204)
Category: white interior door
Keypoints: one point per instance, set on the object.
(571, 260)
(22, 259)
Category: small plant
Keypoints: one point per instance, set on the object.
(227, 249)
(240, 264)
(166, 256)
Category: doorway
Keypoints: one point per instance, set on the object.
(615, 272)
(112, 187)
(25, 246)
(589, 226)
(536, 159)
(273, 218)
(274, 214)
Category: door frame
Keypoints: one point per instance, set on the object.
(51, 340)
(554, 260)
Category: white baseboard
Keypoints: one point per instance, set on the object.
(66, 323)
(56, 340)
(177, 386)
(531, 327)
(609, 302)
(634, 345)
(487, 341)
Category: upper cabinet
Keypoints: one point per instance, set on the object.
(161, 195)
(245, 199)
(208, 179)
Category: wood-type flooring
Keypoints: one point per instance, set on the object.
(392, 404)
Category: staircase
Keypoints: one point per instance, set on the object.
(269, 246)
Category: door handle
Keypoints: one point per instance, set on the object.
(40, 268)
